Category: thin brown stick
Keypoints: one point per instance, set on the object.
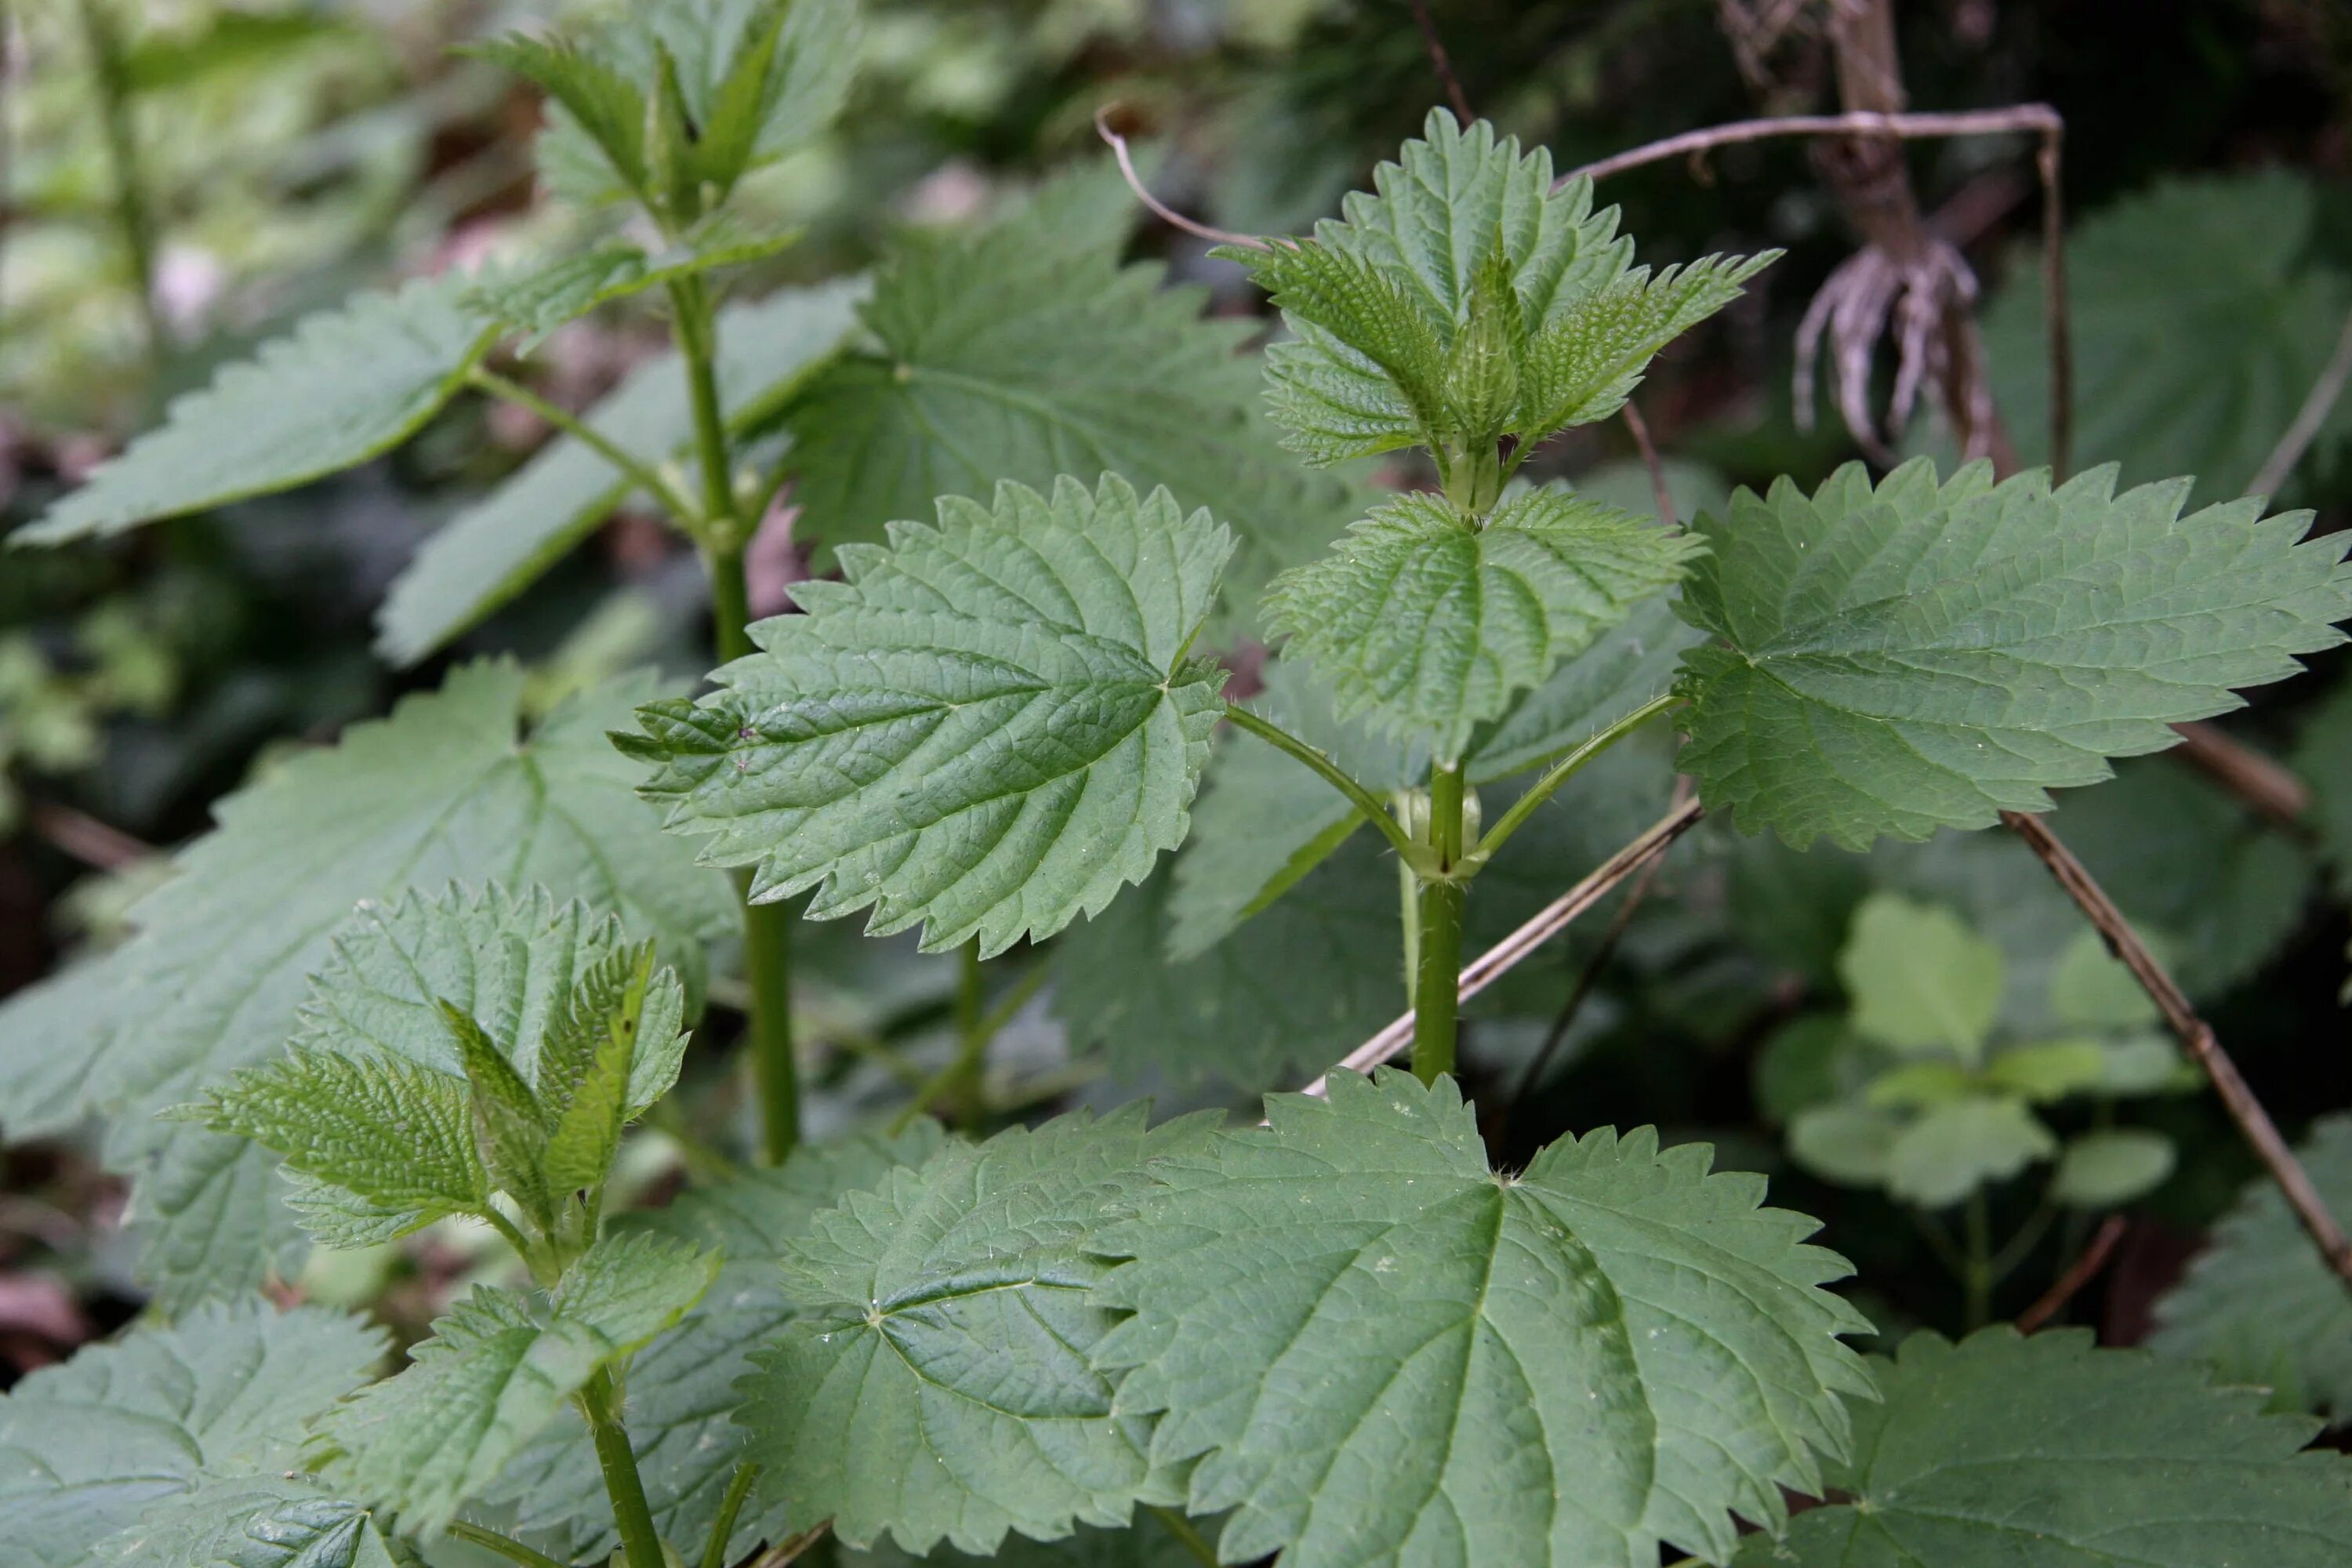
(2196, 1037)
(1652, 461)
(1504, 956)
(2080, 1273)
(2016, 117)
(1436, 47)
(1166, 214)
(2314, 413)
(2267, 787)
(1587, 980)
(790, 1549)
(98, 844)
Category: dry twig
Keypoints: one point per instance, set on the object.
(2068, 1285)
(1652, 461)
(1437, 57)
(2196, 1037)
(1166, 214)
(2316, 406)
(1504, 956)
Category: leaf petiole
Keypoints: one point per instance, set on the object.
(1332, 774)
(1558, 773)
(738, 1487)
(506, 1546)
(637, 472)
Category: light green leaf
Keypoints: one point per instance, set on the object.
(2050, 1452)
(2202, 313)
(1427, 626)
(345, 385)
(935, 1382)
(280, 1521)
(446, 787)
(1953, 1149)
(85, 1448)
(1376, 1349)
(1812, 1060)
(396, 1136)
(2092, 988)
(2100, 1170)
(509, 1124)
(1894, 660)
(1919, 979)
(535, 298)
(2260, 1303)
(682, 1393)
(1919, 1084)
(1024, 351)
(989, 729)
(492, 550)
(791, 98)
(1846, 1143)
(584, 1074)
(2049, 1071)
(495, 1372)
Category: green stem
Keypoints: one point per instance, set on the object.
(1560, 772)
(506, 1546)
(961, 1091)
(1362, 799)
(730, 1507)
(1192, 1540)
(637, 472)
(131, 216)
(723, 531)
(1437, 978)
(1977, 1281)
(641, 1546)
(971, 1049)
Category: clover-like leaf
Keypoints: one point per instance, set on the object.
(682, 1393)
(496, 1371)
(1894, 658)
(490, 551)
(1025, 351)
(449, 786)
(1375, 1348)
(2261, 1304)
(1919, 979)
(345, 385)
(989, 729)
(934, 1383)
(85, 1448)
(1428, 625)
(2050, 1451)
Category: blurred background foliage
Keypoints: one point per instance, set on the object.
(185, 177)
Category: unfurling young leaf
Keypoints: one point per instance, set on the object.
(1373, 1347)
(534, 298)
(496, 1370)
(989, 727)
(509, 1124)
(935, 1381)
(599, 101)
(1891, 659)
(2047, 1450)
(1430, 624)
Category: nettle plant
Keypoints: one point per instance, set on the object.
(433, 973)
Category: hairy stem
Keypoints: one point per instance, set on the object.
(637, 473)
(2078, 1274)
(731, 1508)
(1332, 772)
(941, 1086)
(961, 1091)
(132, 220)
(1976, 1277)
(1192, 1540)
(723, 533)
(2196, 1037)
(506, 1546)
(1437, 970)
(1560, 772)
(600, 1405)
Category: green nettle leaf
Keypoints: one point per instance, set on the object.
(2050, 1451)
(934, 1381)
(989, 729)
(495, 1371)
(1389, 351)
(280, 1521)
(1919, 655)
(2261, 1304)
(682, 1393)
(583, 1073)
(397, 1137)
(755, 79)
(445, 787)
(345, 385)
(1262, 822)
(535, 298)
(492, 550)
(2202, 313)
(1023, 351)
(1375, 1348)
(1427, 625)
(1919, 979)
(1146, 1543)
(509, 1124)
(602, 103)
(87, 1446)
